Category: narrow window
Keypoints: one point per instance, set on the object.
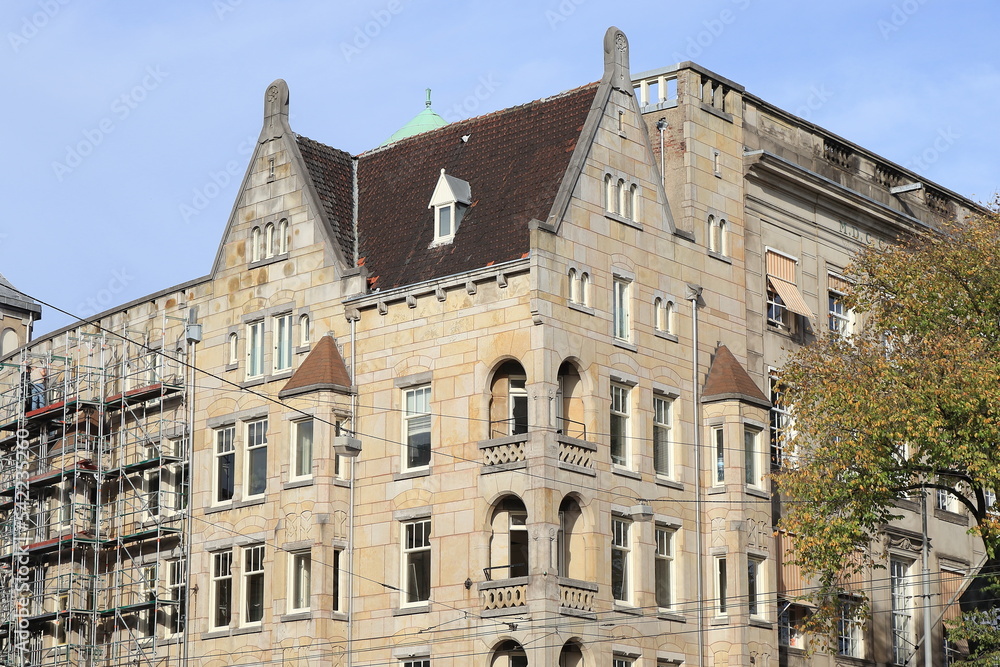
(222, 588)
(620, 196)
(176, 594)
(282, 237)
(444, 221)
(584, 288)
(282, 342)
(304, 330)
(268, 240)
(750, 457)
(574, 287)
(780, 418)
(719, 440)
(255, 243)
(634, 201)
(619, 425)
(255, 349)
(609, 194)
(233, 349)
(256, 458)
(839, 318)
(301, 576)
(658, 314)
(517, 403)
(754, 588)
(902, 613)
(335, 575)
(723, 238)
(417, 427)
(225, 463)
(253, 583)
(517, 548)
(664, 576)
(416, 561)
(668, 317)
(721, 586)
(302, 449)
(620, 308)
(661, 435)
(849, 629)
(621, 548)
(789, 624)
(713, 234)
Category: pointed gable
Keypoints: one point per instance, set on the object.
(728, 380)
(322, 369)
(513, 162)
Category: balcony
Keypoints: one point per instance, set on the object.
(504, 453)
(576, 598)
(504, 596)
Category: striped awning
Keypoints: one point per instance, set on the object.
(781, 277)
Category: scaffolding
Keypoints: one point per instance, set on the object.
(94, 469)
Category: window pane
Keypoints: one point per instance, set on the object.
(444, 221)
(750, 457)
(661, 436)
(417, 427)
(303, 448)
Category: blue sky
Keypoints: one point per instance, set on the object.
(129, 125)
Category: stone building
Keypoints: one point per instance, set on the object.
(551, 330)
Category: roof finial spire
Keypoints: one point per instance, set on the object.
(428, 102)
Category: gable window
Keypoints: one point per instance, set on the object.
(610, 197)
(282, 237)
(416, 561)
(621, 549)
(417, 427)
(255, 245)
(303, 330)
(225, 463)
(664, 315)
(253, 584)
(268, 240)
(255, 349)
(619, 425)
(234, 357)
(579, 282)
(282, 342)
(620, 308)
(451, 198)
(256, 458)
(222, 589)
(661, 435)
(784, 301)
(839, 318)
(302, 449)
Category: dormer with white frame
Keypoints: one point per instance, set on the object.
(452, 196)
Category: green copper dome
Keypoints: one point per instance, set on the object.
(424, 121)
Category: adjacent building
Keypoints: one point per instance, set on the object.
(551, 331)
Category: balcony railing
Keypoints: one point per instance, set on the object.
(504, 451)
(576, 597)
(504, 594)
(575, 454)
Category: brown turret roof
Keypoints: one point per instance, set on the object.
(323, 368)
(728, 380)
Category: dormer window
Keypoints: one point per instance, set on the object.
(452, 197)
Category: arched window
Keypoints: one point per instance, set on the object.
(8, 342)
(282, 237)
(269, 240)
(634, 202)
(659, 322)
(255, 245)
(609, 194)
(584, 288)
(509, 401)
(574, 287)
(571, 654)
(509, 654)
(668, 317)
(713, 234)
(304, 329)
(509, 540)
(723, 238)
(233, 348)
(621, 196)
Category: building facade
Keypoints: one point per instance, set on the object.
(550, 330)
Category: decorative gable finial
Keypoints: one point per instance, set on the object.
(616, 59)
(275, 109)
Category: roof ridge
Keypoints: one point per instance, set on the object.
(465, 121)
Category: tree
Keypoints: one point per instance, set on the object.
(910, 402)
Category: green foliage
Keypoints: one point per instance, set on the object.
(910, 400)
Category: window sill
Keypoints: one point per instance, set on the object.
(669, 483)
(625, 472)
(252, 382)
(297, 483)
(420, 608)
(268, 260)
(622, 219)
(304, 615)
(341, 482)
(232, 632)
(580, 307)
(231, 367)
(283, 374)
(625, 608)
(715, 490)
(758, 492)
(951, 517)
(728, 117)
(719, 620)
(625, 345)
(260, 500)
(665, 335)
(667, 615)
(758, 622)
(411, 474)
(719, 256)
(302, 349)
(338, 615)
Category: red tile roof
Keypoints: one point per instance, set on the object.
(727, 379)
(323, 368)
(514, 161)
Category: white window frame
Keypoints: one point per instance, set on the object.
(752, 458)
(415, 544)
(269, 240)
(621, 397)
(300, 580)
(840, 320)
(234, 348)
(255, 441)
(780, 418)
(620, 308)
(620, 660)
(417, 418)
(901, 626)
(621, 549)
(789, 624)
(718, 435)
(663, 416)
(255, 245)
(756, 591)
(301, 466)
(282, 350)
(282, 237)
(304, 337)
(255, 350)
(720, 575)
(850, 630)
(176, 614)
(224, 445)
(449, 235)
(415, 662)
(778, 315)
(222, 572)
(517, 392)
(945, 501)
(253, 571)
(337, 580)
(663, 567)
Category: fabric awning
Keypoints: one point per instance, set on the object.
(789, 293)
